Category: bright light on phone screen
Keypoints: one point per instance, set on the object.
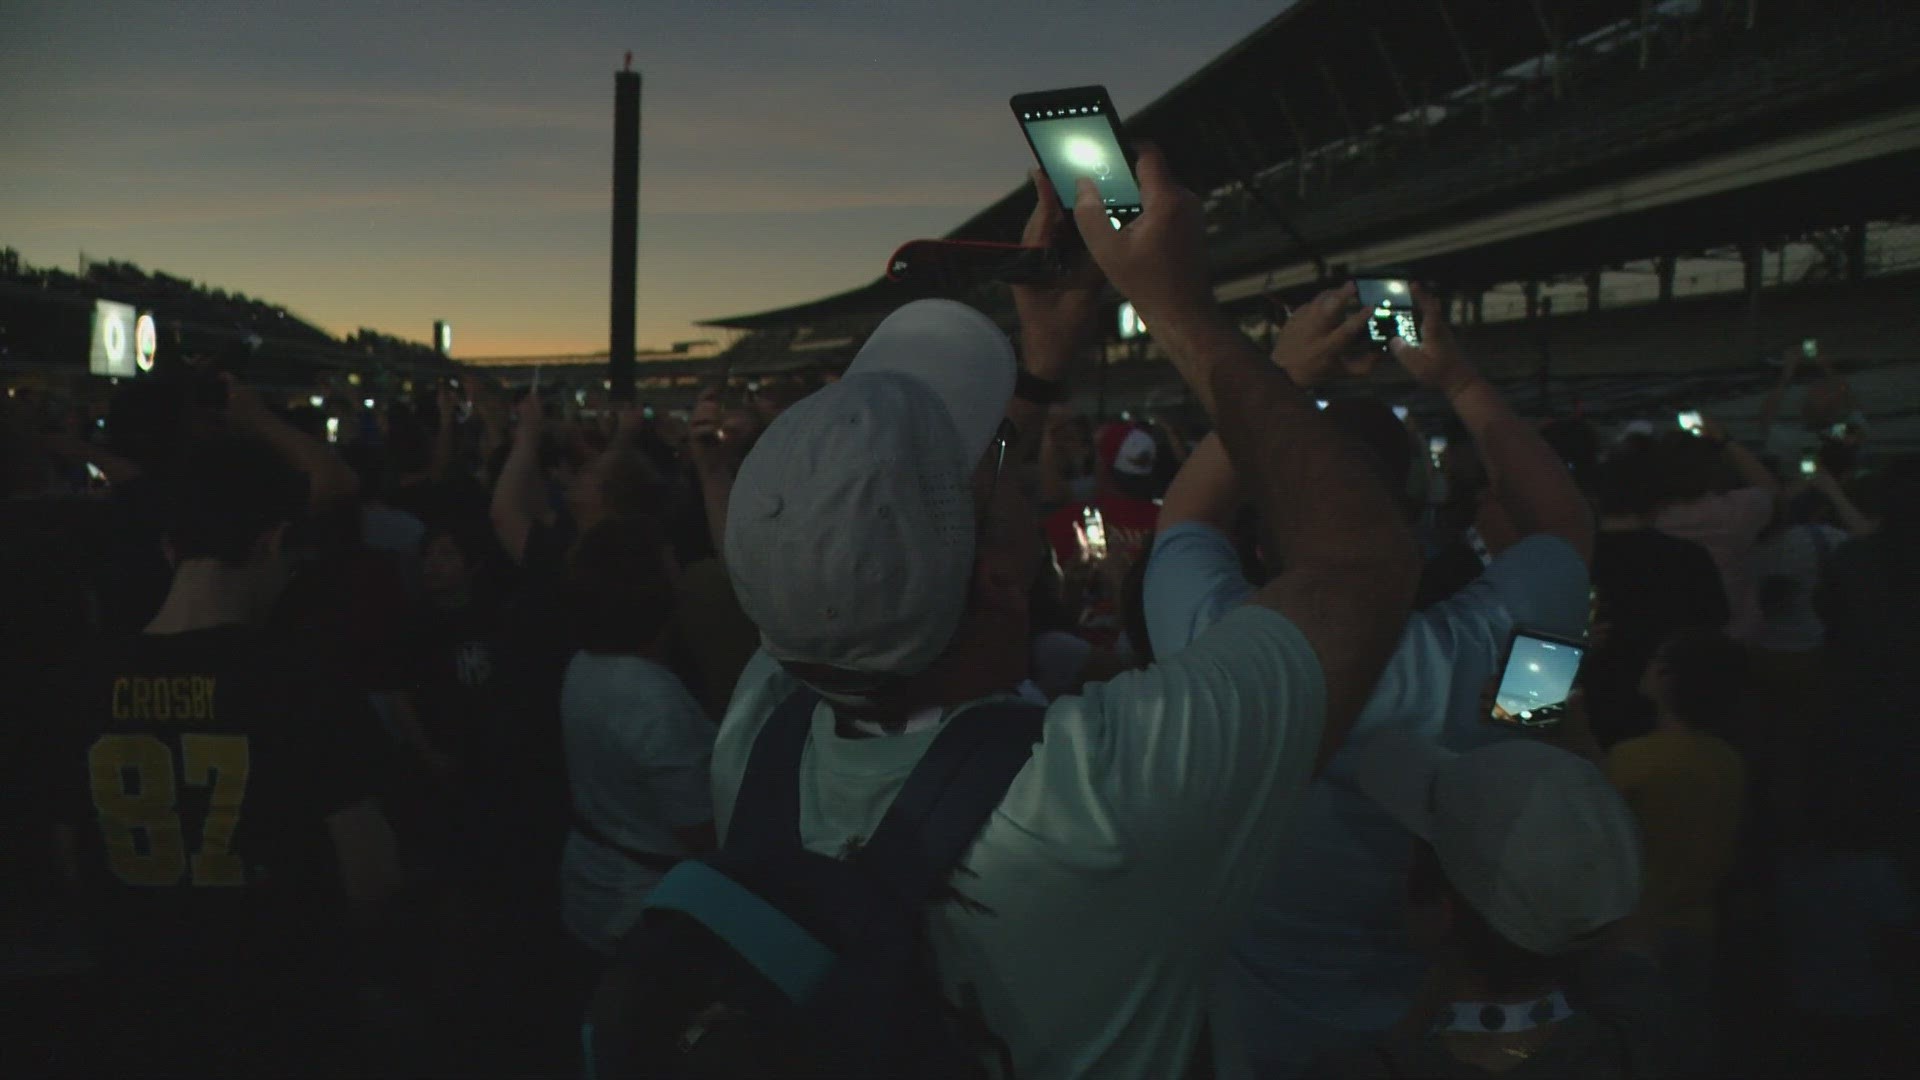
(1538, 679)
(1084, 145)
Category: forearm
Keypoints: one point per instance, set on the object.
(1753, 472)
(328, 477)
(1207, 489)
(1350, 562)
(1534, 487)
(516, 495)
(716, 490)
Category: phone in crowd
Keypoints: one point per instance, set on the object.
(1810, 348)
(1076, 133)
(1537, 679)
(1838, 432)
(1437, 448)
(1809, 465)
(94, 474)
(1401, 412)
(1093, 525)
(1690, 422)
(1389, 302)
(1320, 403)
(333, 429)
(646, 412)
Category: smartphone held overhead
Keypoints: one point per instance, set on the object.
(1391, 313)
(1076, 135)
(1691, 422)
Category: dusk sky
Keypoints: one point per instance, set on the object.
(387, 164)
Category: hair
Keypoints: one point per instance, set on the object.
(1506, 968)
(226, 494)
(615, 587)
(630, 484)
(1687, 468)
(1629, 481)
(1707, 672)
(1383, 435)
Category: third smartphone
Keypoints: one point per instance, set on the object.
(1537, 680)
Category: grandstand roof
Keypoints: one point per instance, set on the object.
(1318, 72)
(1337, 126)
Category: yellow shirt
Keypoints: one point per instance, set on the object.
(1688, 791)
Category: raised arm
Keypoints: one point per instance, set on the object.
(1351, 566)
(1057, 326)
(328, 477)
(517, 504)
(1528, 478)
(1752, 471)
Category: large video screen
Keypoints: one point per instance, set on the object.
(115, 349)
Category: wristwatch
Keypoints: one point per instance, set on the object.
(1039, 391)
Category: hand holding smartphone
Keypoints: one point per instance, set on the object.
(1391, 312)
(1691, 422)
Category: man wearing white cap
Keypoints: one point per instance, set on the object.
(1526, 856)
(880, 537)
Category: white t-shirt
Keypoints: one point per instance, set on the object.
(639, 751)
(1794, 555)
(1104, 887)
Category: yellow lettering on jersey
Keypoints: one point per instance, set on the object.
(144, 812)
(220, 762)
(178, 698)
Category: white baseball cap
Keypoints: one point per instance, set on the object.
(850, 532)
(1533, 837)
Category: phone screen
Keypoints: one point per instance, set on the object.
(1810, 348)
(1093, 525)
(1390, 300)
(1809, 465)
(1436, 448)
(1690, 422)
(1539, 676)
(1075, 133)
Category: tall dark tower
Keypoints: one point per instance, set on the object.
(626, 228)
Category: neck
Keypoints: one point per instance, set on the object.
(204, 595)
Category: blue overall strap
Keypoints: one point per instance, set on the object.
(949, 796)
(766, 812)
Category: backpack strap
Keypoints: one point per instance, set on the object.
(949, 796)
(766, 812)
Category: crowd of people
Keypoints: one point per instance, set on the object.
(385, 756)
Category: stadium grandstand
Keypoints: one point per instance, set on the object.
(1632, 203)
(45, 321)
